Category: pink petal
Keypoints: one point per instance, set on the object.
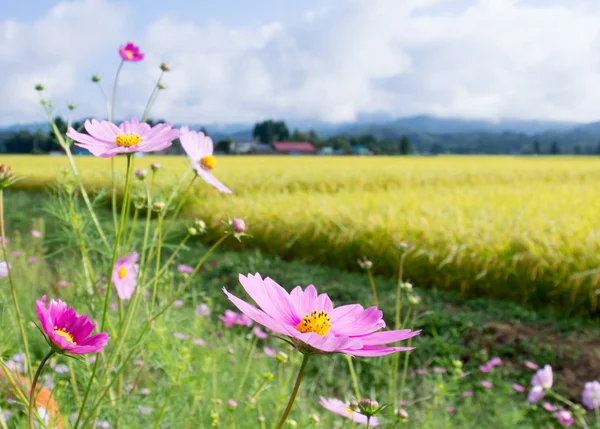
(386, 337)
(271, 298)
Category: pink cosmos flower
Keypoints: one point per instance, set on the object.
(450, 410)
(68, 331)
(185, 269)
(487, 384)
(181, 336)
(421, 371)
(518, 387)
(542, 381)
(202, 310)
(35, 233)
(269, 351)
(343, 409)
(485, 368)
(496, 361)
(178, 303)
(131, 52)
(199, 148)
(467, 393)
(199, 342)
(548, 406)
(260, 333)
(313, 324)
(4, 267)
(124, 275)
(531, 365)
(63, 283)
(32, 260)
(104, 139)
(16, 253)
(590, 397)
(439, 370)
(564, 417)
(114, 306)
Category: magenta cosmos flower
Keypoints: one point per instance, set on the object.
(131, 52)
(312, 323)
(541, 382)
(199, 148)
(104, 139)
(124, 275)
(67, 331)
(339, 407)
(591, 395)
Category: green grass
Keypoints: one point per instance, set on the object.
(200, 380)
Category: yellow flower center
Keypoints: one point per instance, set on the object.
(350, 410)
(129, 54)
(127, 140)
(122, 272)
(208, 162)
(63, 333)
(318, 322)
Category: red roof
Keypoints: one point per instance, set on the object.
(294, 147)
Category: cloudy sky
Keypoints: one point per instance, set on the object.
(238, 61)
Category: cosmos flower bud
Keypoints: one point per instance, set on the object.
(282, 357)
(292, 423)
(231, 405)
(6, 176)
(314, 419)
(200, 225)
(268, 376)
(238, 225)
(406, 286)
(158, 206)
(192, 231)
(155, 166)
(96, 78)
(354, 404)
(71, 106)
(140, 174)
(414, 299)
(260, 419)
(368, 404)
(39, 87)
(165, 67)
(402, 414)
(365, 264)
(161, 85)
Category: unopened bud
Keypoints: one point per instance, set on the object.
(96, 78)
(43, 102)
(268, 376)
(161, 85)
(231, 405)
(251, 400)
(6, 176)
(282, 357)
(354, 404)
(200, 225)
(260, 419)
(414, 299)
(158, 206)
(155, 166)
(238, 225)
(140, 174)
(365, 264)
(402, 414)
(39, 87)
(165, 67)
(192, 231)
(292, 423)
(314, 419)
(368, 403)
(71, 106)
(406, 286)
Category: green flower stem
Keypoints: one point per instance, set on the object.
(73, 378)
(12, 287)
(18, 390)
(180, 205)
(146, 229)
(373, 288)
(111, 114)
(288, 408)
(158, 248)
(133, 224)
(32, 394)
(249, 360)
(354, 377)
(153, 96)
(164, 407)
(368, 421)
(405, 368)
(111, 118)
(109, 285)
(84, 194)
(104, 99)
(397, 319)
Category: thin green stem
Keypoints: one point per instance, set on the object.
(158, 249)
(12, 286)
(32, 394)
(164, 407)
(111, 118)
(249, 360)
(373, 288)
(182, 201)
(104, 99)
(405, 368)
(111, 114)
(133, 224)
(354, 377)
(290, 403)
(108, 287)
(152, 98)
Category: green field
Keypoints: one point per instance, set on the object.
(524, 229)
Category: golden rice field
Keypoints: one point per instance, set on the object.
(519, 228)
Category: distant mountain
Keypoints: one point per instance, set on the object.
(31, 127)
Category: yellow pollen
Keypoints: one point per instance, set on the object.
(129, 54)
(208, 162)
(350, 410)
(63, 333)
(122, 272)
(127, 140)
(317, 322)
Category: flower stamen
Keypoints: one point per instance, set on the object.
(128, 140)
(122, 272)
(63, 333)
(317, 322)
(208, 162)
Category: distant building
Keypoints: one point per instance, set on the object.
(295, 148)
(327, 150)
(241, 148)
(262, 149)
(361, 150)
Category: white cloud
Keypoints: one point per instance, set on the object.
(488, 58)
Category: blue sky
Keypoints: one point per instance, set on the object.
(238, 61)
